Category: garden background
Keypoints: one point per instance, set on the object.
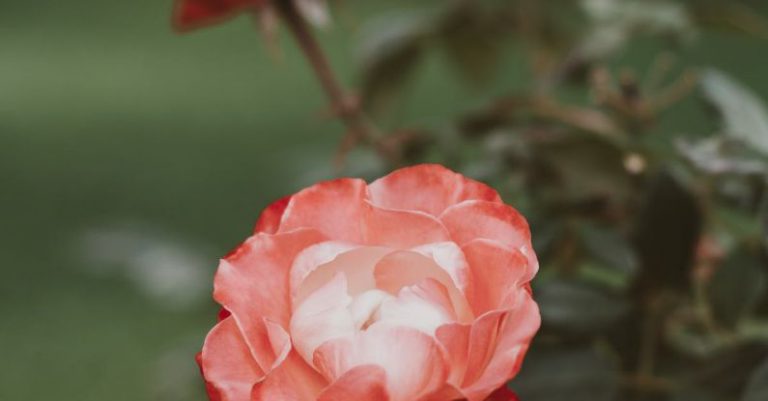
(132, 158)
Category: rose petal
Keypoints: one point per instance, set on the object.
(252, 284)
(340, 209)
(496, 270)
(413, 362)
(445, 393)
(365, 307)
(363, 383)
(293, 380)
(406, 268)
(314, 257)
(450, 258)
(483, 340)
(454, 338)
(424, 306)
(334, 208)
(226, 363)
(429, 188)
(498, 222)
(210, 389)
(502, 394)
(322, 316)
(512, 340)
(357, 265)
(401, 229)
(269, 221)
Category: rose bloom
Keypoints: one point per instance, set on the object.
(413, 288)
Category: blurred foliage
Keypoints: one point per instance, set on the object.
(652, 244)
(612, 124)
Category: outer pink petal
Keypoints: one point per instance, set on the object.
(498, 222)
(513, 339)
(413, 362)
(269, 221)
(496, 270)
(226, 363)
(401, 229)
(340, 209)
(429, 188)
(334, 208)
(483, 343)
(252, 283)
(363, 383)
(446, 393)
(293, 380)
(454, 338)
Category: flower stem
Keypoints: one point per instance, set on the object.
(345, 105)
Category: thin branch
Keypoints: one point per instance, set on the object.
(345, 105)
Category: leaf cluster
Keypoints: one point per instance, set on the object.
(652, 243)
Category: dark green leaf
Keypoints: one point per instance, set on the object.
(744, 113)
(723, 376)
(391, 50)
(764, 220)
(578, 167)
(731, 16)
(567, 374)
(757, 388)
(736, 287)
(610, 248)
(472, 41)
(577, 307)
(666, 233)
(604, 277)
(546, 234)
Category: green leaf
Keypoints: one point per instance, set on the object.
(391, 49)
(735, 225)
(757, 388)
(763, 220)
(736, 287)
(714, 155)
(610, 248)
(731, 16)
(567, 374)
(744, 114)
(577, 307)
(578, 167)
(472, 41)
(614, 23)
(667, 232)
(722, 376)
(605, 277)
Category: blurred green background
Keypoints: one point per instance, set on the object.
(124, 147)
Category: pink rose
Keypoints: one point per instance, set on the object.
(413, 288)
